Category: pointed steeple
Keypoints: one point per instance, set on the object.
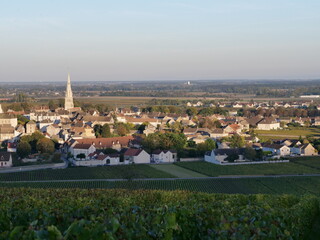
(1, 111)
(68, 102)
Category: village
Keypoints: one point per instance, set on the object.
(134, 135)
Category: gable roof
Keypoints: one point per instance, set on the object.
(133, 152)
(82, 146)
(107, 142)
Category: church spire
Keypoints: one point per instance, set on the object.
(68, 102)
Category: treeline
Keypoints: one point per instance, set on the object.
(311, 111)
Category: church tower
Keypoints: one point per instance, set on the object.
(68, 101)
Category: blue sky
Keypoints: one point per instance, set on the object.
(42, 40)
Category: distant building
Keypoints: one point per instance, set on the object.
(309, 96)
(5, 159)
(68, 101)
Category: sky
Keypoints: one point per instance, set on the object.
(102, 40)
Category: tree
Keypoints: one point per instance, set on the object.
(23, 149)
(81, 156)
(52, 105)
(236, 141)
(250, 153)
(97, 130)
(45, 145)
(122, 130)
(232, 157)
(192, 111)
(110, 151)
(210, 143)
(105, 131)
(22, 119)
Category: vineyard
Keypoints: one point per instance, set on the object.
(297, 166)
(106, 172)
(284, 185)
(122, 214)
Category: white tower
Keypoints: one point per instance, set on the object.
(68, 101)
(1, 111)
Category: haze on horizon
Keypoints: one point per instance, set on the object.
(125, 40)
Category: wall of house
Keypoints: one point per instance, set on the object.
(163, 157)
(113, 161)
(309, 151)
(143, 157)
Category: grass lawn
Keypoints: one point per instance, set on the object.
(177, 171)
(289, 133)
(106, 172)
(214, 170)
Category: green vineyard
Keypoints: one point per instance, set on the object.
(283, 185)
(296, 166)
(106, 172)
(122, 214)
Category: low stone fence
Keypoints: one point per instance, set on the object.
(190, 159)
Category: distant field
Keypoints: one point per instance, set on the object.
(288, 133)
(284, 185)
(214, 170)
(107, 172)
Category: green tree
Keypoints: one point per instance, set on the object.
(22, 119)
(250, 153)
(23, 149)
(236, 141)
(45, 145)
(122, 129)
(211, 144)
(52, 105)
(81, 156)
(192, 111)
(97, 130)
(105, 131)
(232, 157)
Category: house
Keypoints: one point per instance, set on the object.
(133, 155)
(304, 150)
(233, 128)
(116, 143)
(31, 127)
(268, 124)
(7, 119)
(43, 124)
(85, 149)
(5, 159)
(12, 147)
(163, 156)
(218, 133)
(218, 156)
(7, 132)
(276, 149)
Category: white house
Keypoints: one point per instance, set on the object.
(276, 149)
(133, 155)
(5, 160)
(85, 149)
(218, 156)
(268, 124)
(304, 150)
(163, 156)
